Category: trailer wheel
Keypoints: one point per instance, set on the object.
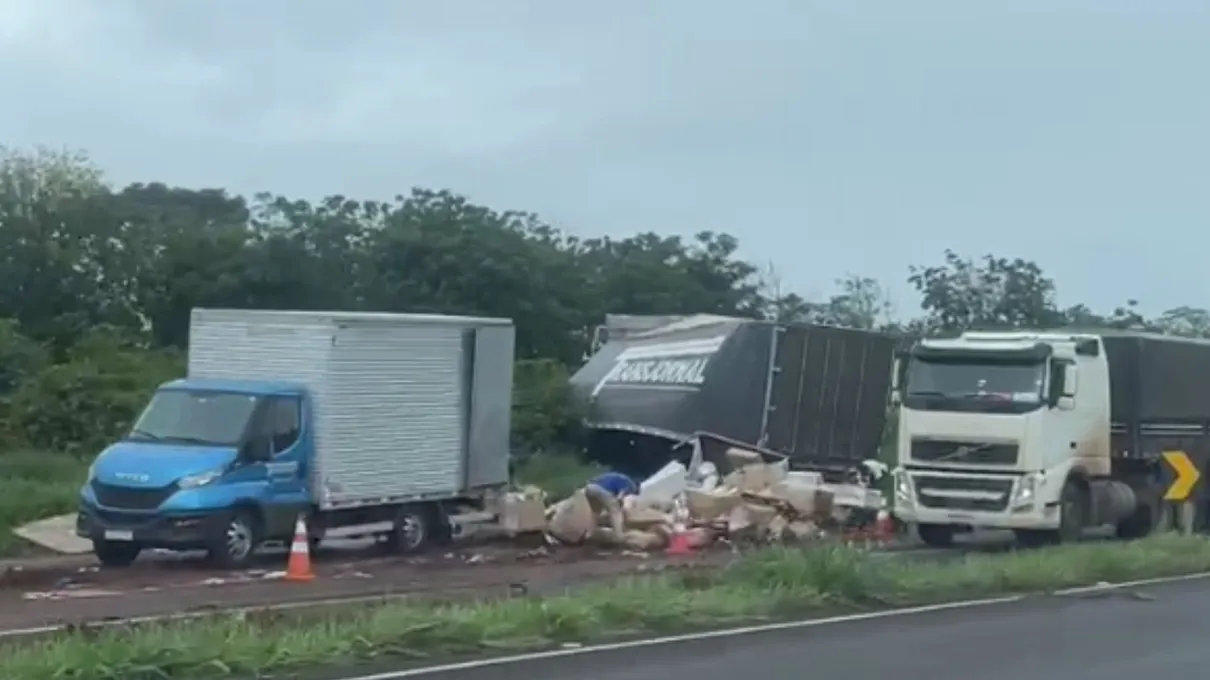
(936, 535)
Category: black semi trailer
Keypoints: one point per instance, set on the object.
(815, 393)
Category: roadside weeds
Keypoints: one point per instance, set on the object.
(762, 585)
(35, 485)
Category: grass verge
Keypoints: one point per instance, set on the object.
(763, 585)
(559, 474)
(35, 485)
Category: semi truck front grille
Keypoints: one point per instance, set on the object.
(974, 494)
(130, 498)
(977, 453)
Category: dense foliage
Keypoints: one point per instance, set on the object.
(97, 281)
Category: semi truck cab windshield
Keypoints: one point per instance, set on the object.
(970, 382)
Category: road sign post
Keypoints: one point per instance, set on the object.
(1181, 488)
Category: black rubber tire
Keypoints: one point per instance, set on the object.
(1140, 524)
(412, 532)
(1073, 509)
(116, 554)
(220, 555)
(1073, 513)
(1034, 538)
(936, 535)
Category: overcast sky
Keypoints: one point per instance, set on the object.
(830, 137)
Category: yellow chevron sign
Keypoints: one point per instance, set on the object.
(1187, 476)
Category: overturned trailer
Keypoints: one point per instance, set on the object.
(815, 393)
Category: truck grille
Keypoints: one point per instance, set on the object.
(129, 498)
(974, 494)
(978, 453)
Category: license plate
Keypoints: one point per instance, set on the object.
(114, 535)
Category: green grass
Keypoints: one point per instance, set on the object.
(768, 584)
(35, 485)
(559, 474)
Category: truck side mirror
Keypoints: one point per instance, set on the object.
(898, 377)
(896, 380)
(1063, 382)
(1055, 390)
(1071, 377)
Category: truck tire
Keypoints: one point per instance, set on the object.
(1073, 512)
(237, 538)
(116, 554)
(1139, 524)
(412, 530)
(936, 535)
(1073, 516)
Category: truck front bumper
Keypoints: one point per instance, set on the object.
(173, 532)
(978, 501)
(1030, 519)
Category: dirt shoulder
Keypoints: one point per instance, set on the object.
(166, 592)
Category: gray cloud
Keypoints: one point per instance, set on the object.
(829, 136)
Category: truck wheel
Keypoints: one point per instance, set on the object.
(1073, 513)
(1035, 538)
(412, 530)
(235, 544)
(116, 554)
(1139, 524)
(936, 535)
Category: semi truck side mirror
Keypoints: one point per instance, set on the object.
(1055, 390)
(896, 381)
(899, 376)
(1071, 377)
(1062, 392)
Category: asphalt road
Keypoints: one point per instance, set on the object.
(1146, 632)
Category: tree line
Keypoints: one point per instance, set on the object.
(97, 282)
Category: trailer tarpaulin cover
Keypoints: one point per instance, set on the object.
(652, 382)
(815, 393)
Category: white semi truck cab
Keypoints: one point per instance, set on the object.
(1046, 433)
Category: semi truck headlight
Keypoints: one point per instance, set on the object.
(200, 479)
(1026, 490)
(903, 487)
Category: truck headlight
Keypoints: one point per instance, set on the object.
(1026, 490)
(903, 487)
(200, 479)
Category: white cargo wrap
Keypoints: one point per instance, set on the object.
(405, 406)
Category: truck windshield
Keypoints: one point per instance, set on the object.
(1016, 383)
(195, 417)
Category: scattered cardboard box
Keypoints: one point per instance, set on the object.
(573, 519)
(522, 512)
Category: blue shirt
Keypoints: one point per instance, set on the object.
(616, 483)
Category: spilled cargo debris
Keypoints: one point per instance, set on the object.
(758, 500)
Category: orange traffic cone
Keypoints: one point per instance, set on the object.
(678, 542)
(298, 568)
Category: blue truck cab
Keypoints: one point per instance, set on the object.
(390, 426)
(214, 465)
